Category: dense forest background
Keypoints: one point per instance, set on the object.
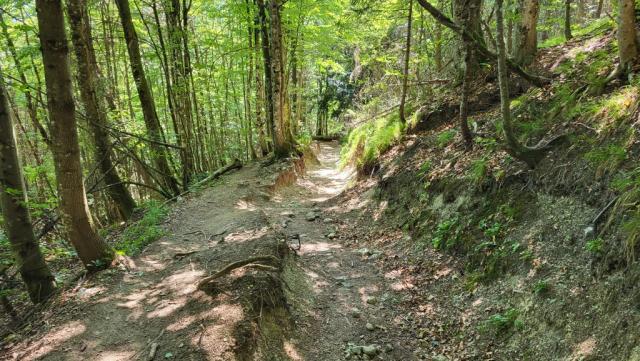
(110, 110)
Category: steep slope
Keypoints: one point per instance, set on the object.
(500, 262)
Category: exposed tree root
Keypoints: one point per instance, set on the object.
(265, 263)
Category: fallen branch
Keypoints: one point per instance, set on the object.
(236, 164)
(327, 138)
(256, 262)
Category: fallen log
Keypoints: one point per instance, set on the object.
(327, 138)
(236, 164)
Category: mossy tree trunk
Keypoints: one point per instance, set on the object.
(17, 222)
(283, 139)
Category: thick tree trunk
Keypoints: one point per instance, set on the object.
(17, 223)
(268, 74)
(627, 34)
(567, 20)
(94, 106)
(92, 250)
(284, 142)
(527, 37)
(407, 55)
(154, 130)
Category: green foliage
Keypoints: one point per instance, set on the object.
(595, 245)
(445, 138)
(541, 287)
(144, 231)
(368, 141)
(606, 158)
(447, 234)
(479, 170)
(6, 258)
(500, 323)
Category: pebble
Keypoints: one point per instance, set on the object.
(370, 350)
(328, 220)
(355, 313)
(370, 326)
(311, 216)
(372, 300)
(331, 235)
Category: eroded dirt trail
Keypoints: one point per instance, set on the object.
(334, 299)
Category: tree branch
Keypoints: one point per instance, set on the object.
(480, 48)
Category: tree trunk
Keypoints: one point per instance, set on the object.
(94, 106)
(268, 76)
(180, 86)
(527, 37)
(17, 222)
(31, 105)
(407, 55)
(479, 46)
(517, 150)
(598, 13)
(627, 40)
(567, 20)
(92, 250)
(158, 153)
(284, 142)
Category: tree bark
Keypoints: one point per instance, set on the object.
(17, 222)
(283, 140)
(527, 37)
(567, 20)
(94, 106)
(92, 250)
(531, 156)
(268, 76)
(627, 34)
(407, 55)
(158, 153)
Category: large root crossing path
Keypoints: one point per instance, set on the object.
(335, 303)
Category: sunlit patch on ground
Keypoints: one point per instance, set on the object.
(52, 341)
(584, 349)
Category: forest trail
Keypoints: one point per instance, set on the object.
(154, 302)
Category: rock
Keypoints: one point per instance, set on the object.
(311, 216)
(589, 233)
(372, 300)
(440, 358)
(355, 312)
(388, 348)
(327, 220)
(370, 326)
(370, 350)
(331, 235)
(288, 214)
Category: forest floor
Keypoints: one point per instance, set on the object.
(334, 302)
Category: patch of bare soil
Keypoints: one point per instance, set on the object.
(317, 298)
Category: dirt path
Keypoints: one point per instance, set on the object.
(337, 300)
